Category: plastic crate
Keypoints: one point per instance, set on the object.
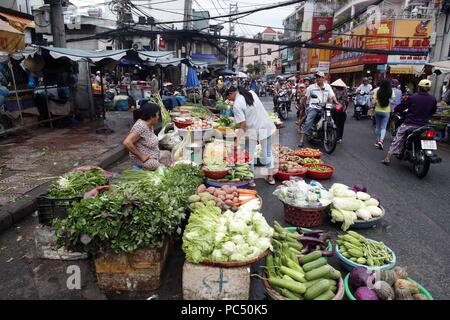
(51, 208)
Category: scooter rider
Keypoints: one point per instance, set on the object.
(324, 94)
(280, 84)
(421, 106)
(365, 88)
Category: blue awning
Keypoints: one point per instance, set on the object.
(78, 55)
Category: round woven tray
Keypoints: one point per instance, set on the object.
(277, 296)
(304, 217)
(234, 264)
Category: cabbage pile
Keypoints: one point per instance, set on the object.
(302, 195)
(350, 205)
(228, 237)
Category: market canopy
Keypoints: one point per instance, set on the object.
(11, 39)
(444, 65)
(17, 22)
(77, 55)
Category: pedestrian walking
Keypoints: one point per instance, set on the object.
(300, 99)
(339, 117)
(381, 101)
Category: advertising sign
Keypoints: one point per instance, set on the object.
(411, 35)
(379, 38)
(341, 59)
(320, 24)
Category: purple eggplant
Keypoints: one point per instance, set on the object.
(327, 253)
(310, 240)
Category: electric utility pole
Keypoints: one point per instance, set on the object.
(231, 32)
(120, 9)
(57, 22)
(187, 15)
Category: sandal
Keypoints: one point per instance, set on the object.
(385, 162)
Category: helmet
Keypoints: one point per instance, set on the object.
(320, 74)
(279, 78)
(425, 83)
(365, 79)
(395, 82)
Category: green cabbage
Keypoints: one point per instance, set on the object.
(344, 193)
(347, 204)
(362, 196)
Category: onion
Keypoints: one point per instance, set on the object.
(360, 187)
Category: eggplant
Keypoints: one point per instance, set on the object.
(326, 253)
(310, 240)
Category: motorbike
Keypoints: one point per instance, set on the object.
(282, 105)
(420, 146)
(271, 89)
(262, 91)
(361, 103)
(324, 129)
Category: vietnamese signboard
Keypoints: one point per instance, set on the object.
(411, 35)
(378, 38)
(341, 59)
(320, 24)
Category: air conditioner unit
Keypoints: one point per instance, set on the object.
(137, 46)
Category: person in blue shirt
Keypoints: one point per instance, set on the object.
(253, 85)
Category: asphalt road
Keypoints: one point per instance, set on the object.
(415, 225)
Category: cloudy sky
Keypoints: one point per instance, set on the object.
(272, 17)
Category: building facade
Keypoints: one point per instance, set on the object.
(266, 54)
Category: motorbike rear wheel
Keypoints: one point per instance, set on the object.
(283, 111)
(329, 139)
(421, 164)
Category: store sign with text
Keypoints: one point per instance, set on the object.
(341, 59)
(378, 38)
(319, 25)
(411, 35)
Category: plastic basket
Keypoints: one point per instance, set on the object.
(182, 124)
(317, 175)
(51, 208)
(216, 174)
(304, 217)
(349, 265)
(282, 176)
(350, 296)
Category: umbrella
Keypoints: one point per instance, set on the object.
(339, 83)
(192, 79)
(226, 72)
(242, 75)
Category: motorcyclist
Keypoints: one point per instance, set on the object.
(421, 106)
(324, 94)
(365, 88)
(280, 84)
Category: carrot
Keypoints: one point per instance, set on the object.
(240, 203)
(246, 191)
(243, 198)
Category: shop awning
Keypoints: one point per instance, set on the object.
(78, 55)
(406, 69)
(444, 65)
(348, 69)
(11, 39)
(18, 22)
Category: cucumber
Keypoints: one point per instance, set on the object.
(318, 273)
(314, 264)
(334, 274)
(287, 277)
(316, 290)
(327, 295)
(290, 295)
(297, 276)
(310, 257)
(332, 282)
(310, 283)
(287, 284)
(291, 264)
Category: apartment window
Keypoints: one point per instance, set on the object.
(256, 51)
(269, 63)
(269, 51)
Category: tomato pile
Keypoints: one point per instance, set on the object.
(242, 157)
(308, 153)
(200, 125)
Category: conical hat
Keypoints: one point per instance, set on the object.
(339, 83)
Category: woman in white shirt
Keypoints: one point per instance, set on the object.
(254, 121)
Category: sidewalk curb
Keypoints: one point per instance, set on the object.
(14, 212)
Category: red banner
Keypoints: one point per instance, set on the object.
(320, 24)
(381, 40)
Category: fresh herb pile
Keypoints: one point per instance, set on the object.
(145, 207)
(76, 184)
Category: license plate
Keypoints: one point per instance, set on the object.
(428, 144)
(328, 113)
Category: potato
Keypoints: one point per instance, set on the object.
(229, 197)
(216, 193)
(229, 203)
(222, 197)
(233, 188)
(201, 188)
(211, 190)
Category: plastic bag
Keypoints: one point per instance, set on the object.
(179, 152)
(169, 137)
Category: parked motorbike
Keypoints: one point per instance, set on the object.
(282, 105)
(361, 103)
(324, 129)
(420, 146)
